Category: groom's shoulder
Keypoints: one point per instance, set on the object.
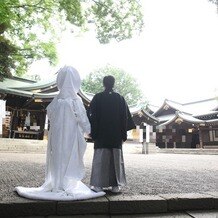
(98, 94)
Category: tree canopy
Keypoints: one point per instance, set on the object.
(29, 29)
(214, 2)
(125, 84)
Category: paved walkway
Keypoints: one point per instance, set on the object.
(157, 183)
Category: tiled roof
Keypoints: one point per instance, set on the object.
(183, 117)
(188, 111)
(202, 107)
(171, 104)
(15, 81)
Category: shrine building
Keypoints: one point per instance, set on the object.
(172, 125)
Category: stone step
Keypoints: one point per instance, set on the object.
(110, 204)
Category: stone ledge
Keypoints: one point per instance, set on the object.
(27, 208)
(215, 197)
(189, 201)
(136, 204)
(110, 205)
(92, 206)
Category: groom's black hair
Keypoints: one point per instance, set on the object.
(108, 82)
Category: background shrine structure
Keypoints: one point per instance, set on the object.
(172, 125)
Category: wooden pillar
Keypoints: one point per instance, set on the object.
(145, 141)
(147, 137)
(45, 135)
(141, 139)
(201, 138)
(165, 144)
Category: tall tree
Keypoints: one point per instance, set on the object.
(125, 84)
(215, 2)
(29, 28)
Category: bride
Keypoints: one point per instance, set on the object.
(66, 144)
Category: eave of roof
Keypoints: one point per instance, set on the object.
(171, 104)
(202, 106)
(137, 109)
(10, 83)
(87, 98)
(213, 121)
(164, 118)
(215, 109)
(45, 95)
(16, 92)
(145, 113)
(206, 114)
(183, 117)
(39, 85)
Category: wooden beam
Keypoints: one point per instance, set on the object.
(28, 102)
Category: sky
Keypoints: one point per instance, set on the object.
(175, 57)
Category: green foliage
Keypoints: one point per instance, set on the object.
(214, 1)
(29, 29)
(125, 84)
(22, 22)
(117, 19)
(6, 61)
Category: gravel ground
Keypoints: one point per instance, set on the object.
(146, 174)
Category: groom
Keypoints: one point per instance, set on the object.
(110, 119)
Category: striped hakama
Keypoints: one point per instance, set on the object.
(108, 168)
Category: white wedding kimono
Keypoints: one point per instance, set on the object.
(66, 145)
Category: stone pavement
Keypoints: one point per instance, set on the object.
(159, 185)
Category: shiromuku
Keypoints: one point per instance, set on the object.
(66, 145)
